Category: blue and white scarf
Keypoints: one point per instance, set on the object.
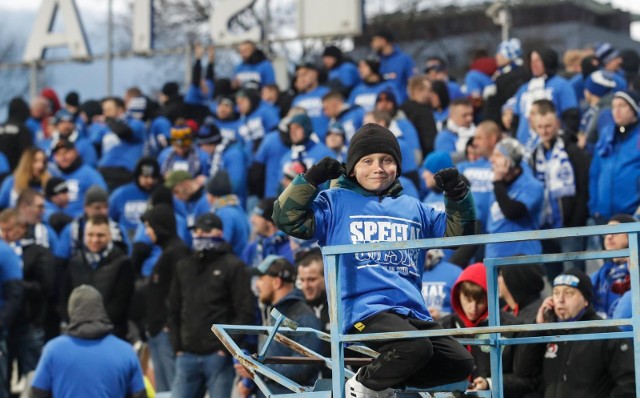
(557, 175)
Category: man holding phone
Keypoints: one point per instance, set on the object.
(605, 366)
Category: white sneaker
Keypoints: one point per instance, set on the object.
(354, 389)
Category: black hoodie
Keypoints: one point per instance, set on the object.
(163, 222)
(525, 282)
(15, 137)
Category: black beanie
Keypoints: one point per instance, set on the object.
(147, 166)
(578, 279)
(72, 99)
(219, 184)
(372, 138)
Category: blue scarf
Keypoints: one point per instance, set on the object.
(557, 175)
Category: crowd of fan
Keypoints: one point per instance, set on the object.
(90, 186)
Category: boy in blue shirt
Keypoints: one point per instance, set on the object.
(381, 291)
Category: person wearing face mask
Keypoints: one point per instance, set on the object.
(211, 286)
(160, 225)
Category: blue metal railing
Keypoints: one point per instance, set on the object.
(494, 329)
(495, 341)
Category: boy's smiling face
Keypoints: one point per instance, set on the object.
(376, 172)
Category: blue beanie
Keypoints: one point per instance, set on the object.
(606, 53)
(600, 83)
(437, 161)
(304, 121)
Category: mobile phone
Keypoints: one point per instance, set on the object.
(550, 316)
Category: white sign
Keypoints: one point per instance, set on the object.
(315, 18)
(42, 38)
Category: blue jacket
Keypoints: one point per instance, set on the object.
(235, 223)
(475, 82)
(270, 153)
(604, 299)
(614, 176)
(312, 102)
(623, 309)
(347, 74)
(8, 196)
(277, 244)
(351, 119)
(294, 307)
(78, 182)
(10, 271)
(528, 190)
(258, 123)
(117, 152)
(397, 67)
(556, 89)
(126, 204)
(261, 72)
(102, 368)
(365, 94)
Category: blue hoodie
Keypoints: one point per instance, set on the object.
(604, 299)
(397, 67)
(126, 204)
(261, 72)
(365, 94)
(347, 74)
(270, 153)
(615, 170)
(312, 103)
(556, 89)
(255, 125)
(480, 175)
(117, 152)
(235, 222)
(79, 181)
(437, 283)
(351, 119)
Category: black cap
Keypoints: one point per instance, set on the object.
(207, 222)
(276, 266)
(373, 138)
(373, 62)
(54, 186)
(62, 144)
(209, 133)
(577, 279)
(219, 184)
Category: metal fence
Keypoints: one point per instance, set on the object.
(495, 341)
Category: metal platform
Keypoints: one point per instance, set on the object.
(284, 328)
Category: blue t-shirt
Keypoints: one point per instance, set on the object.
(373, 282)
(475, 82)
(126, 204)
(365, 95)
(480, 176)
(262, 72)
(346, 73)
(312, 103)
(101, 368)
(397, 67)
(437, 283)
(528, 190)
(78, 182)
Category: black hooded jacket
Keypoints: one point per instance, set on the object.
(15, 137)
(525, 282)
(256, 57)
(209, 287)
(163, 222)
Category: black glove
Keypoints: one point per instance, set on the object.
(454, 185)
(326, 169)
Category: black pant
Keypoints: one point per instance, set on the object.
(422, 363)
